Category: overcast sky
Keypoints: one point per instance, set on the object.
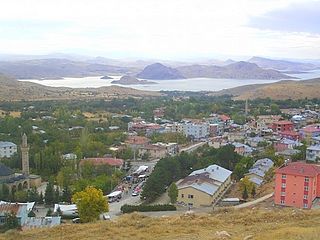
(162, 29)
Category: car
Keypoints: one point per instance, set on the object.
(106, 217)
(76, 220)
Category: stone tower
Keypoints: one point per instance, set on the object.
(25, 155)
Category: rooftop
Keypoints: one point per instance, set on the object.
(300, 169)
(7, 144)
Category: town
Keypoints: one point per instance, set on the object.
(158, 156)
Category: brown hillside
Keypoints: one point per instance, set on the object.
(240, 224)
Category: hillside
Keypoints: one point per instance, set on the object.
(13, 90)
(282, 64)
(237, 70)
(58, 68)
(257, 224)
(278, 90)
(158, 71)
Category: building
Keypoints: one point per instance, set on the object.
(204, 187)
(19, 181)
(242, 149)
(112, 162)
(313, 153)
(285, 144)
(196, 130)
(136, 142)
(309, 132)
(19, 210)
(7, 149)
(297, 185)
(258, 170)
(293, 135)
(159, 150)
(282, 126)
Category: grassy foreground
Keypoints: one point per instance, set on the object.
(240, 224)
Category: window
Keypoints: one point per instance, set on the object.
(306, 188)
(282, 202)
(305, 205)
(182, 195)
(284, 176)
(283, 185)
(190, 196)
(305, 196)
(283, 193)
(306, 179)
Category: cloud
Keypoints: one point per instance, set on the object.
(297, 17)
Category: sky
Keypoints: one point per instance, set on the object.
(162, 29)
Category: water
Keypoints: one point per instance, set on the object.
(193, 84)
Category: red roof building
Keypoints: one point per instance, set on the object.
(290, 135)
(282, 126)
(113, 162)
(297, 185)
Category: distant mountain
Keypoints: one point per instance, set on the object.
(129, 80)
(158, 71)
(281, 90)
(282, 64)
(57, 68)
(237, 70)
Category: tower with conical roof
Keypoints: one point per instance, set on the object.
(25, 155)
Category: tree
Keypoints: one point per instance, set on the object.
(49, 193)
(49, 213)
(253, 191)
(21, 196)
(90, 204)
(11, 221)
(173, 193)
(245, 193)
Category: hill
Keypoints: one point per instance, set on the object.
(237, 70)
(282, 64)
(13, 90)
(279, 90)
(158, 71)
(258, 224)
(58, 68)
(129, 80)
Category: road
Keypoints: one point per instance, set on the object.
(248, 204)
(192, 147)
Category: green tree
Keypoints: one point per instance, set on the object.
(245, 193)
(90, 204)
(11, 221)
(49, 193)
(173, 193)
(21, 196)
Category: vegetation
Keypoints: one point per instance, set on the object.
(173, 193)
(261, 224)
(90, 204)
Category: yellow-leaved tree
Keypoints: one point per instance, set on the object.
(90, 203)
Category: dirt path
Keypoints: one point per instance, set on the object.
(248, 204)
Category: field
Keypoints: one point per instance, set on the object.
(246, 224)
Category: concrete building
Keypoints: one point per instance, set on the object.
(309, 132)
(204, 187)
(7, 149)
(258, 170)
(313, 153)
(297, 185)
(282, 126)
(196, 130)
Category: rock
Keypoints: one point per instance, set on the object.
(223, 234)
(249, 237)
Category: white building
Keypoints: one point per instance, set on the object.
(313, 153)
(196, 130)
(7, 149)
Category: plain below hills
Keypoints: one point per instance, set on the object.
(13, 90)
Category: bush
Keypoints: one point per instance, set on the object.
(147, 208)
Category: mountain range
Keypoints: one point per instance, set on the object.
(55, 66)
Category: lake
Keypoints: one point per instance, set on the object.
(192, 84)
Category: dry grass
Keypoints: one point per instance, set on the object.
(261, 224)
(12, 114)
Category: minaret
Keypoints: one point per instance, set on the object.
(25, 155)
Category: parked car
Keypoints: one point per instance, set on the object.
(76, 220)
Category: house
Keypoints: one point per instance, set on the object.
(196, 130)
(136, 142)
(7, 149)
(112, 162)
(242, 149)
(297, 184)
(153, 151)
(19, 210)
(258, 170)
(264, 121)
(282, 126)
(313, 153)
(293, 135)
(254, 141)
(285, 144)
(204, 187)
(309, 132)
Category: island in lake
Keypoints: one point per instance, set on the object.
(106, 77)
(129, 80)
